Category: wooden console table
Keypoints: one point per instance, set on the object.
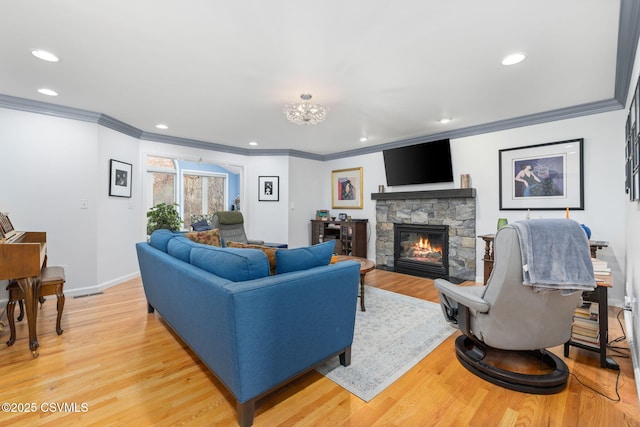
(350, 236)
(594, 245)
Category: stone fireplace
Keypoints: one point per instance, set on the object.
(452, 213)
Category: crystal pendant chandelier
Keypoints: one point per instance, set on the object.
(305, 113)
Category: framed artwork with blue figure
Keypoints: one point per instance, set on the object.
(542, 177)
(346, 188)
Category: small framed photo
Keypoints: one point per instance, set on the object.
(342, 216)
(120, 179)
(346, 188)
(322, 215)
(268, 188)
(542, 177)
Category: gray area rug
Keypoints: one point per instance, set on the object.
(391, 337)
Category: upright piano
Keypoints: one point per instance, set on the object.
(22, 256)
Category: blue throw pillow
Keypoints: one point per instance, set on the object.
(201, 225)
(233, 264)
(288, 260)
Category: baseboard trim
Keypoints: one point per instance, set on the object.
(99, 288)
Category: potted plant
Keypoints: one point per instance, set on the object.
(163, 216)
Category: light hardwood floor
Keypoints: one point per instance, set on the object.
(121, 366)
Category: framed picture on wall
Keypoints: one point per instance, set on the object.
(632, 147)
(542, 177)
(120, 178)
(322, 215)
(268, 188)
(346, 188)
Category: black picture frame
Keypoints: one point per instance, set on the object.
(546, 176)
(268, 188)
(120, 174)
(632, 147)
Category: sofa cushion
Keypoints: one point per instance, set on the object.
(201, 225)
(288, 260)
(209, 237)
(269, 252)
(231, 263)
(160, 238)
(180, 247)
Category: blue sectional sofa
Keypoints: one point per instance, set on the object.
(255, 331)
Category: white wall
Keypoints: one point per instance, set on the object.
(478, 156)
(603, 181)
(117, 217)
(49, 165)
(267, 220)
(305, 197)
(372, 175)
(632, 231)
(56, 162)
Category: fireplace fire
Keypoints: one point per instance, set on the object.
(421, 250)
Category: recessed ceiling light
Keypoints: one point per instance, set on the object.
(162, 126)
(253, 143)
(364, 139)
(48, 92)
(445, 120)
(513, 59)
(44, 55)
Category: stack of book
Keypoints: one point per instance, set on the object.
(600, 267)
(586, 328)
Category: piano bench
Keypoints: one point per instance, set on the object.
(51, 283)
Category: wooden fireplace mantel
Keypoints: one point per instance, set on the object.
(462, 193)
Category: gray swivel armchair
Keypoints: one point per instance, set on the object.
(231, 226)
(540, 269)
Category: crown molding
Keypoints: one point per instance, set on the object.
(117, 125)
(39, 107)
(193, 143)
(628, 36)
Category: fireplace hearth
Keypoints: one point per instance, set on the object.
(421, 250)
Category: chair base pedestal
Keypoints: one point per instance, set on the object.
(471, 355)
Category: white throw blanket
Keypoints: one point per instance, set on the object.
(555, 255)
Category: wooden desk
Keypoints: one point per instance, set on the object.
(594, 245)
(366, 265)
(599, 295)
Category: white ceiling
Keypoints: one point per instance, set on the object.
(221, 71)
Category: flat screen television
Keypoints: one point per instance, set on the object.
(424, 163)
